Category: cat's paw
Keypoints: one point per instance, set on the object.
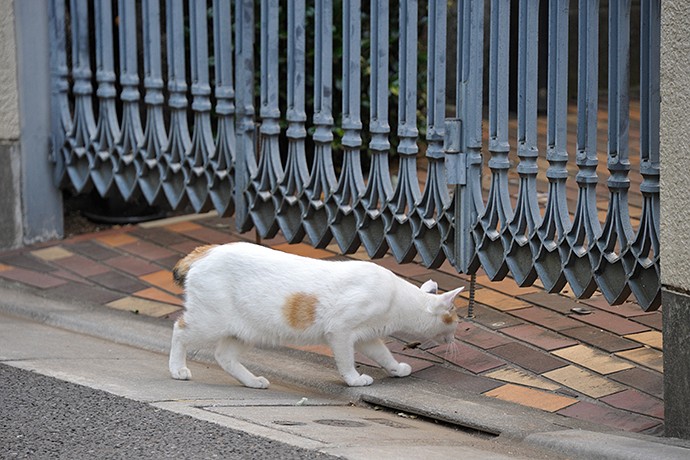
(361, 381)
(258, 382)
(181, 374)
(403, 370)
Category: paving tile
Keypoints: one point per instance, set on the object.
(118, 282)
(592, 359)
(159, 236)
(445, 281)
(610, 417)
(27, 262)
(52, 253)
(654, 320)
(169, 262)
(467, 357)
(148, 251)
(528, 358)
(538, 337)
(89, 294)
(653, 339)
(584, 382)
(415, 363)
(318, 349)
(183, 227)
(69, 276)
(555, 302)
(612, 323)
(32, 278)
(642, 379)
(81, 265)
(512, 375)
(455, 380)
(600, 339)
(506, 286)
(143, 306)
(410, 270)
(634, 401)
(493, 319)
(546, 318)
(132, 265)
(303, 249)
(159, 296)
(648, 357)
(479, 337)
(400, 348)
(497, 300)
(186, 247)
(116, 240)
(210, 236)
(162, 279)
(92, 250)
(4, 267)
(168, 221)
(626, 309)
(531, 397)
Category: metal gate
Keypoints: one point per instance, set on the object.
(280, 138)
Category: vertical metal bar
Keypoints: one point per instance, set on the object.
(101, 147)
(617, 231)
(379, 188)
(586, 228)
(556, 222)
(322, 181)
(221, 162)
(245, 162)
(526, 216)
(83, 125)
(149, 169)
(343, 221)
(131, 132)
(642, 260)
(61, 118)
(498, 211)
(400, 213)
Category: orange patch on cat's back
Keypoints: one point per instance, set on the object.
(299, 310)
(182, 267)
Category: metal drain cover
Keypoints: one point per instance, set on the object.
(288, 423)
(341, 423)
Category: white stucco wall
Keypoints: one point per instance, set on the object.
(9, 114)
(675, 143)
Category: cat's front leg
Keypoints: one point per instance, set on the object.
(343, 347)
(376, 350)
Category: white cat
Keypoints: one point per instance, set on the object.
(241, 294)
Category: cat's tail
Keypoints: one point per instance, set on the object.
(182, 267)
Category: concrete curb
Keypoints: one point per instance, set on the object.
(307, 370)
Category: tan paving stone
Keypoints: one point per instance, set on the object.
(520, 377)
(54, 253)
(143, 306)
(583, 381)
(303, 249)
(4, 267)
(160, 296)
(181, 227)
(532, 398)
(496, 300)
(162, 279)
(648, 357)
(507, 286)
(117, 239)
(593, 359)
(653, 339)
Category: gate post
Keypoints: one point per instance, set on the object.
(31, 207)
(675, 214)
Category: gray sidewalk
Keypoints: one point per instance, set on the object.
(507, 424)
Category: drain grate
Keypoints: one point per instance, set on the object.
(288, 423)
(341, 423)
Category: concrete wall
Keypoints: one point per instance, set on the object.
(675, 213)
(10, 209)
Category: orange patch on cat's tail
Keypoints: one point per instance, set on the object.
(182, 267)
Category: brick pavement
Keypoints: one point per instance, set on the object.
(523, 345)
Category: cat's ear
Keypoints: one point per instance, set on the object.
(448, 298)
(430, 287)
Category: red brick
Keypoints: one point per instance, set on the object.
(479, 337)
(81, 266)
(538, 337)
(546, 318)
(600, 339)
(647, 381)
(147, 251)
(614, 418)
(457, 380)
(132, 265)
(32, 278)
(467, 357)
(634, 401)
(528, 358)
(612, 323)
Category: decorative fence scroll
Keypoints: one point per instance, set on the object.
(483, 193)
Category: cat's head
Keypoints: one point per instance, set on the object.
(441, 307)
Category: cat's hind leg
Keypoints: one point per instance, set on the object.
(228, 352)
(344, 354)
(177, 362)
(376, 350)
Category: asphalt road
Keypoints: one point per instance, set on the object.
(43, 417)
